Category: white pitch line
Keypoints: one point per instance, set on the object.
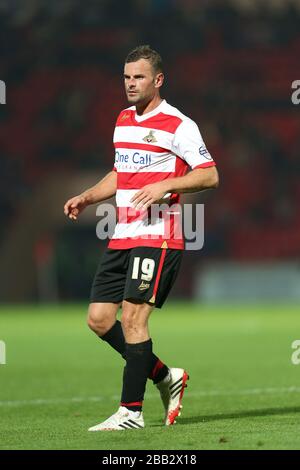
(251, 391)
(204, 393)
(49, 401)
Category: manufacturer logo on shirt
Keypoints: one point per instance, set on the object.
(124, 116)
(150, 137)
(144, 285)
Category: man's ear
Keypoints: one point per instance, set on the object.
(159, 79)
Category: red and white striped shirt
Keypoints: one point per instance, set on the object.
(149, 148)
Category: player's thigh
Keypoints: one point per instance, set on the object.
(151, 274)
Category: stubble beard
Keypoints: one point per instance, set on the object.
(137, 99)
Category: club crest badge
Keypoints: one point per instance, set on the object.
(150, 138)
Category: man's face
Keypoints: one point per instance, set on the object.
(141, 83)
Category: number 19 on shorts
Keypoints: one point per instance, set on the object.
(144, 270)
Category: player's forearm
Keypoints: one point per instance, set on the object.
(103, 190)
(195, 181)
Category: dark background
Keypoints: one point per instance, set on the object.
(229, 65)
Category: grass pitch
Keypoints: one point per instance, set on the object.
(243, 392)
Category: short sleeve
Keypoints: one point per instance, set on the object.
(189, 145)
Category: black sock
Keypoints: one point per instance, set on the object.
(159, 370)
(136, 372)
(115, 338)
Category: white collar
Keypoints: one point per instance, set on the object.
(155, 111)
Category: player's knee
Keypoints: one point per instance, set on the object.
(98, 321)
(132, 319)
(127, 321)
(93, 323)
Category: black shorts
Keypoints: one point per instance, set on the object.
(143, 274)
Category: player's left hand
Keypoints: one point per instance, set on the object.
(149, 194)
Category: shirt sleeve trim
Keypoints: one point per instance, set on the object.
(204, 165)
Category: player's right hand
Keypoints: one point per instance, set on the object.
(74, 206)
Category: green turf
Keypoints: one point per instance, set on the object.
(243, 393)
